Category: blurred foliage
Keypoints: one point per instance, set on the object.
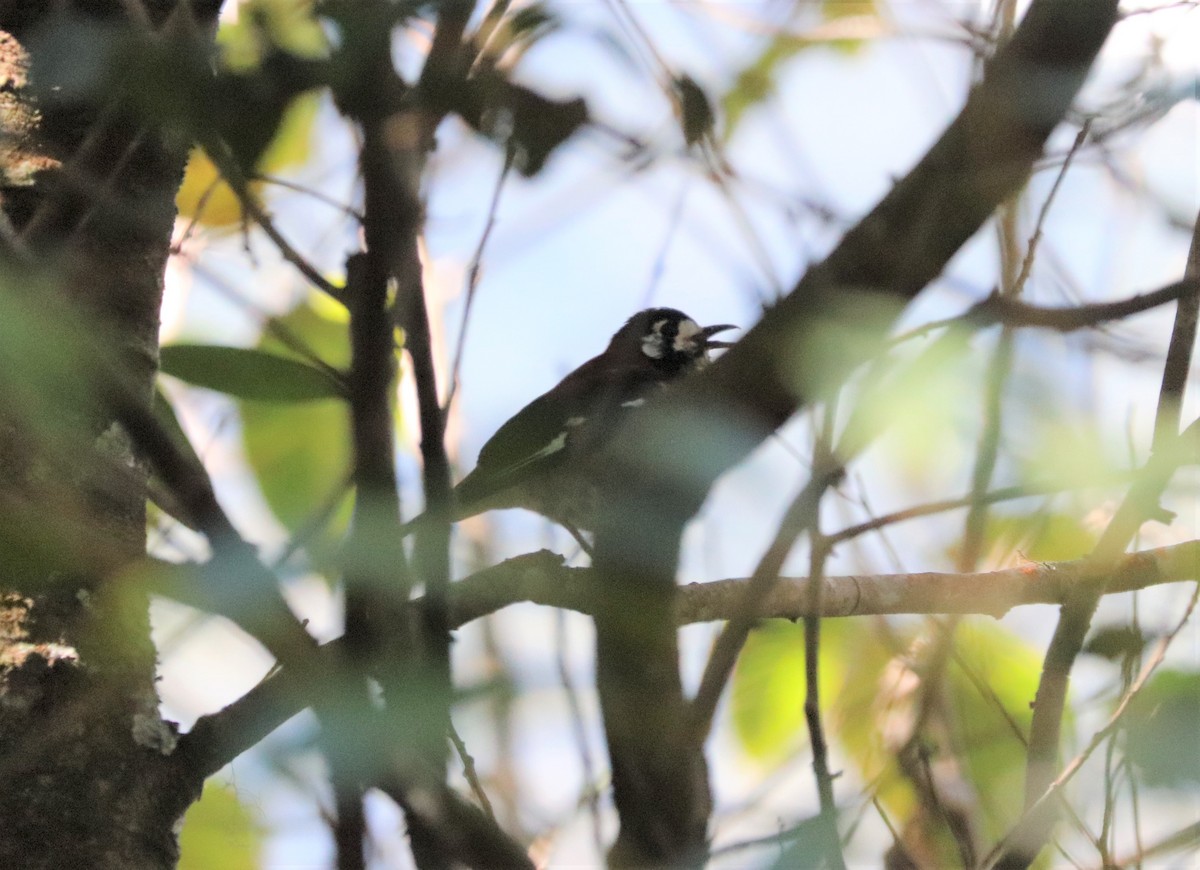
(1162, 730)
(755, 83)
(273, 131)
(991, 685)
(1037, 536)
(767, 701)
(220, 831)
(1063, 448)
(1116, 642)
(249, 374)
(262, 26)
(870, 693)
(923, 403)
(48, 356)
(208, 200)
(300, 452)
(697, 117)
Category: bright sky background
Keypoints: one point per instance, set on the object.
(580, 247)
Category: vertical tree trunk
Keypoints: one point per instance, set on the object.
(88, 196)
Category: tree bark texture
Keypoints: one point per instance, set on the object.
(88, 207)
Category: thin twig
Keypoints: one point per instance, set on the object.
(823, 457)
(470, 773)
(473, 274)
(319, 196)
(800, 517)
(1140, 502)
(1008, 493)
(1011, 842)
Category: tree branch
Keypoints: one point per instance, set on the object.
(1078, 608)
(542, 578)
(1179, 351)
(663, 464)
(1032, 822)
(1012, 313)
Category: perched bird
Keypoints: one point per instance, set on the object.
(539, 459)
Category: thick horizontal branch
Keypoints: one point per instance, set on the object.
(541, 578)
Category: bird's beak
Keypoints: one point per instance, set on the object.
(709, 331)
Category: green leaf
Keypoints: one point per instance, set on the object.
(219, 831)
(768, 687)
(981, 714)
(300, 452)
(248, 374)
(992, 683)
(767, 695)
(1039, 536)
(1162, 730)
(920, 400)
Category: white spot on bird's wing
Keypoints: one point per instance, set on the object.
(688, 330)
(556, 444)
(575, 421)
(559, 442)
(633, 403)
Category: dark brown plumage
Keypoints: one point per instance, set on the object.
(539, 459)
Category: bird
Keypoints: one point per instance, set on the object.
(539, 459)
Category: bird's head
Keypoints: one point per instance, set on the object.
(670, 340)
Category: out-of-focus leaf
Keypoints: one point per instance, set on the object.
(249, 374)
(872, 703)
(767, 694)
(756, 82)
(300, 453)
(834, 9)
(1115, 642)
(1162, 730)
(204, 197)
(1062, 449)
(991, 687)
(517, 118)
(768, 686)
(515, 34)
(535, 18)
(870, 710)
(219, 831)
(922, 406)
(1041, 536)
(696, 112)
(261, 25)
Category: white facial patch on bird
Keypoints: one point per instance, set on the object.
(652, 341)
(688, 330)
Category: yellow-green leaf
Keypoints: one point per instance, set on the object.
(207, 199)
(219, 831)
(300, 453)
